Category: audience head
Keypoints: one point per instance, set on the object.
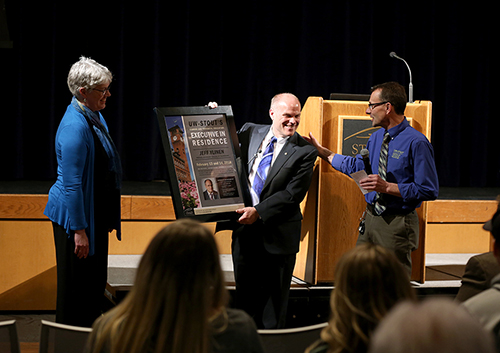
(493, 225)
(369, 281)
(433, 325)
(182, 265)
(179, 287)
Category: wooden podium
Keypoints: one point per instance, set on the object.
(334, 203)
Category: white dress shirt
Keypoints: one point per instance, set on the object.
(280, 142)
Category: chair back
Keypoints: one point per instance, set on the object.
(9, 341)
(290, 340)
(56, 338)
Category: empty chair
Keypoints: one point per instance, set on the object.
(290, 340)
(9, 341)
(56, 338)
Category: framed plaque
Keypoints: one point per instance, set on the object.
(202, 152)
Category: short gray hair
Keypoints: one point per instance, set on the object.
(87, 73)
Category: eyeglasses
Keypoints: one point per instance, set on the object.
(373, 105)
(103, 91)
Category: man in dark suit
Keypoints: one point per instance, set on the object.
(479, 271)
(266, 239)
(210, 193)
(485, 306)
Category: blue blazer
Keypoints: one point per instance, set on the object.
(71, 198)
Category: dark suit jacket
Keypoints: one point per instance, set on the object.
(479, 272)
(286, 186)
(207, 197)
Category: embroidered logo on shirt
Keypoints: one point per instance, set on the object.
(396, 154)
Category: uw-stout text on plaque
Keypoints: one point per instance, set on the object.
(205, 163)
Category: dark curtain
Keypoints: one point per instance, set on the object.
(166, 53)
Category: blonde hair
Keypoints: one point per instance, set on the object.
(87, 73)
(369, 281)
(178, 291)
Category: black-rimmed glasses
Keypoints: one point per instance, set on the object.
(373, 105)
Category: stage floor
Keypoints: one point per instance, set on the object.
(442, 271)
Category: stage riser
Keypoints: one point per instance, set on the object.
(456, 226)
(27, 257)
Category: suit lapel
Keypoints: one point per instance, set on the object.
(255, 143)
(286, 152)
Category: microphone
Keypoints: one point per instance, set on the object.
(365, 153)
(410, 88)
(254, 156)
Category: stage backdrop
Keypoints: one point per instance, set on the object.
(181, 53)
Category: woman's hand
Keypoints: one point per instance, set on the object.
(81, 244)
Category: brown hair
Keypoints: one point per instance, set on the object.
(369, 281)
(394, 93)
(179, 288)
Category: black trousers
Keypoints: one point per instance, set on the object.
(80, 282)
(262, 280)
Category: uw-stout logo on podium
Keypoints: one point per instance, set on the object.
(355, 134)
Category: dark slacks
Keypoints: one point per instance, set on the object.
(262, 280)
(398, 233)
(80, 282)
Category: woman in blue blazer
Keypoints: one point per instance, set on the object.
(84, 202)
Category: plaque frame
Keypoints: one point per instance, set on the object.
(225, 175)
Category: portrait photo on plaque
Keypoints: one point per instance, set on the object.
(202, 154)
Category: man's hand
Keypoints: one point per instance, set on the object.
(81, 244)
(374, 182)
(248, 215)
(323, 152)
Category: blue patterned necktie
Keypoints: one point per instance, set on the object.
(382, 171)
(263, 169)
